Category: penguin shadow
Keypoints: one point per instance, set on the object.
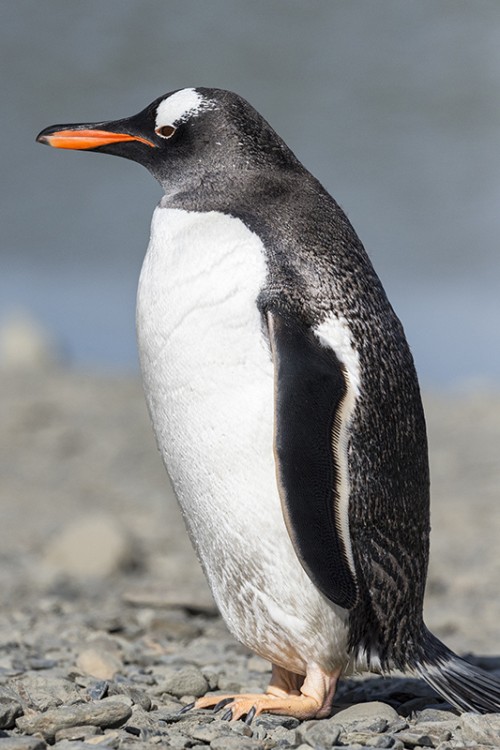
(407, 695)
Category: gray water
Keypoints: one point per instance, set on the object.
(394, 105)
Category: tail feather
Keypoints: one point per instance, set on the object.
(463, 685)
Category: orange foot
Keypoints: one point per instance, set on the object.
(288, 694)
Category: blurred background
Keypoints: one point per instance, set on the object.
(394, 106)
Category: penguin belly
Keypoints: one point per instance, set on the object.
(209, 383)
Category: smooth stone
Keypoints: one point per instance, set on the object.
(364, 715)
(438, 731)
(212, 679)
(270, 722)
(368, 738)
(76, 733)
(45, 691)
(384, 740)
(98, 663)
(415, 738)
(106, 713)
(25, 344)
(98, 690)
(92, 546)
(187, 681)
(22, 743)
(483, 729)
(176, 740)
(319, 733)
(139, 697)
(208, 732)
(435, 714)
(284, 737)
(142, 723)
(10, 709)
(240, 728)
(41, 664)
(109, 739)
(236, 743)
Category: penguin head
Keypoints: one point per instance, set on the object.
(184, 138)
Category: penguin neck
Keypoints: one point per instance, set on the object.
(238, 187)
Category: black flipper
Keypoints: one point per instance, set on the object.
(310, 387)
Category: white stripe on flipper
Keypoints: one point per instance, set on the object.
(334, 333)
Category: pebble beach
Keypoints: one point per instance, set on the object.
(107, 627)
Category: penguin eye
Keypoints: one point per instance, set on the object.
(166, 131)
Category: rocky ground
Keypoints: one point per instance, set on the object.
(107, 628)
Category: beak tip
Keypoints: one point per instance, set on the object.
(41, 138)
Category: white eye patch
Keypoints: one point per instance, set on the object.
(180, 106)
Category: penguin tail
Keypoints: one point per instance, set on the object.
(463, 685)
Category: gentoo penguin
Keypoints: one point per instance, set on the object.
(286, 407)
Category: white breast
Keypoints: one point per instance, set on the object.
(209, 383)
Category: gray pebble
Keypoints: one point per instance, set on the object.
(22, 743)
(435, 714)
(398, 725)
(415, 738)
(106, 713)
(136, 695)
(212, 679)
(236, 743)
(366, 715)
(176, 740)
(44, 692)
(270, 722)
(367, 738)
(438, 731)
(169, 712)
(209, 731)
(484, 729)
(319, 733)
(397, 744)
(93, 545)
(35, 664)
(142, 724)
(98, 690)
(383, 740)
(283, 737)
(10, 709)
(187, 681)
(76, 733)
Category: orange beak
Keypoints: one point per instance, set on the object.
(85, 139)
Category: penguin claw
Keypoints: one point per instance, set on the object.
(186, 708)
(218, 706)
(228, 715)
(250, 715)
